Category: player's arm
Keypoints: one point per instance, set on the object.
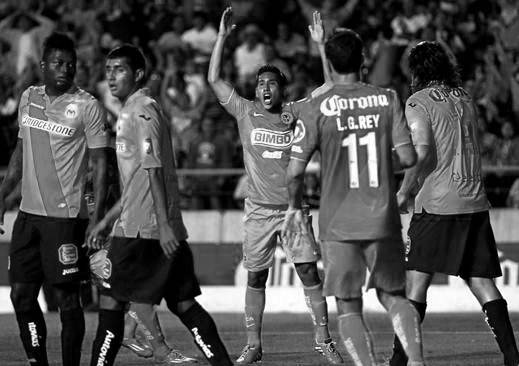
(221, 88)
(317, 33)
(12, 177)
(294, 219)
(99, 161)
(100, 230)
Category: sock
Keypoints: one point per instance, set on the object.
(254, 308)
(406, 323)
(72, 333)
(205, 335)
(496, 313)
(316, 303)
(109, 335)
(399, 357)
(357, 339)
(33, 333)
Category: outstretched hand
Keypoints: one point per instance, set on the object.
(316, 28)
(294, 224)
(226, 25)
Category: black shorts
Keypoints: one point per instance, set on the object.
(459, 245)
(140, 272)
(47, 248)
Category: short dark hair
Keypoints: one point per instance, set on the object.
(282, 79)
(58, 41)
(429, 61)
(132, 54)
(344, 50)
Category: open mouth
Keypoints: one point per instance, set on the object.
(267, 98)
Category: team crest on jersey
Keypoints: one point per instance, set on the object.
(299, 131)
(68, 254)
(71, 111)
(269, 138)
(287, 118)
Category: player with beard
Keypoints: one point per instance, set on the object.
(61, 126)
(450, 230)
(266, 133)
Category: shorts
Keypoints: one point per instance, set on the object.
(262, 224)
(47, 249)
(141, 273)
(459, 245)
(345, 265)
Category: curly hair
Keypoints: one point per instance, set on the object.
(58, 41)
(429, 62)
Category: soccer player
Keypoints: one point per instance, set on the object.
(355, 126)
(450, 230)
(149, 258)
(266, 136)
(61, 126)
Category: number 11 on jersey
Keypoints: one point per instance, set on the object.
(369, 140)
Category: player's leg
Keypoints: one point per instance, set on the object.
(141, 347)
(110, 331)
(255, 306)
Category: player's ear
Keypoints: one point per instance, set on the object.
(43, 65)
(139, 76)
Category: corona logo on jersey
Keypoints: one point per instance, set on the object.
(269, 138)
(334, 105)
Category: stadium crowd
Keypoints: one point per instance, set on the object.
(178, 36)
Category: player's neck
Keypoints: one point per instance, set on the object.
(345, 79)
(54, 93)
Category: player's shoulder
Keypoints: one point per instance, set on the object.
(379, 90)
(38, 89)
(419, 98)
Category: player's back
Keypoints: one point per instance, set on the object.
(356, 126)
(452, 183)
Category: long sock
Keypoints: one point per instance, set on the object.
(33, 333)
(254, 308)
(357, 339)
(406, 323)
(316, 303)
(110, 331)
(205, 335)
(496, 313)
(399, 357)
(72, 333)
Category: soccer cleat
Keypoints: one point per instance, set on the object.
(174, 357)
(250, 355)
(137, 347)
(329, 352)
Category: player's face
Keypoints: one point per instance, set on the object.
(59, 69)
(121, 78)
(269, 91)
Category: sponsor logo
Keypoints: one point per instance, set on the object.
(206, 348)
(299, 131)
(105, 348)
(287, 118)
(69, 271)
(107, 269)
(147, 146)
(334, 105)
(68, 254)
(146, 118)
(34, 335)
(48, 126)
(32, 104)
(254, 114)
(71, 111)
(297, 149)
(412, 105)
(272, 154)
(120, 147)
(269, 138)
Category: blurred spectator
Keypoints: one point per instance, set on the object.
(513, 195)
(271, 57)
(249, 55)
(288, 43)
(201, 37)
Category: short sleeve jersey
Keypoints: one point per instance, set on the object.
(56, 137)
(266, 142)
(445, 119)
(143, 142)
(354, 126)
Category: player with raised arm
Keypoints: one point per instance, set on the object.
(61, 126)
(267, 133)
(149, 258)
(450, 229)
(355, 126)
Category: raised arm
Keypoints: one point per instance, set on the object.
(12, 177)
(317, 33)
(221, 88)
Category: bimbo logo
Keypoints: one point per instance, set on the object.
(269, 138)
(334, 105)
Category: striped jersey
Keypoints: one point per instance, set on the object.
(143, 142)
(354, 126)
(56, 137)
(446, 120)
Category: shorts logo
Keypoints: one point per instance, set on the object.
(69, 271)
(269, 138)
(299, 131)
(71, 111)
(68, 254)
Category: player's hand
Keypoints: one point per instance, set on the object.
(294, 224)
(2, 213)
(168, 241)
(402, 201)
(316, 28)
(96, 235)
(226, 25)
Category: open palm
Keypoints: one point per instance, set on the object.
(226, 25)
(316, 28)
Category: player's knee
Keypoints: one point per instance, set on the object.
(387, 299)
(109, 303)
(257, 279)
(349, 305)
(24, 296)
(67, 296)
(308, 273)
